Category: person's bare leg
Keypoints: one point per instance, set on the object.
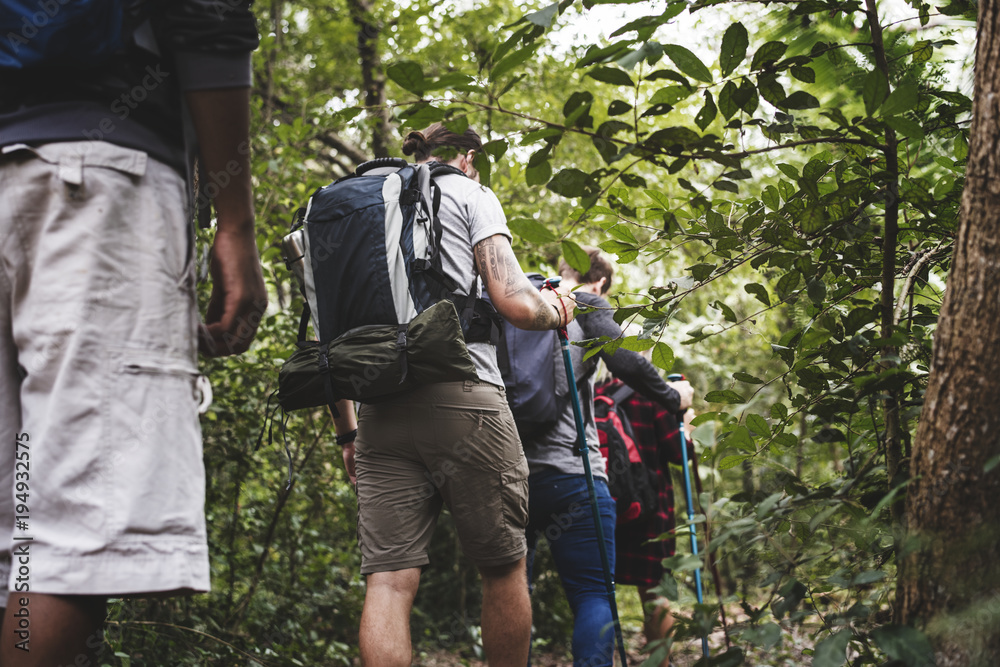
(506, 615)
(58, 629)
(385, 620)
(658, 621)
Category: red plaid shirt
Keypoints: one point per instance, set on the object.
(658, 440)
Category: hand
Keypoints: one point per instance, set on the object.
(239, 297)
(686, 391)
(348, 453)
(564, 305)
(688, 430)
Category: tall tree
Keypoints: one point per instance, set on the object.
(951, 581)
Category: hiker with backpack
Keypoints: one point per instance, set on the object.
(643, 543)
(102, 483)
(559, 506)
(449, 443)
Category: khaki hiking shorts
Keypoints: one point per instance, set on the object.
(453, 443)
(101, 474)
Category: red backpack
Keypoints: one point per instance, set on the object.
(632, 484)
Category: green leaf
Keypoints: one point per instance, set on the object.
(770, 198)
(496, 148)
(611, 75)
(576, 256)
(832, 651)
(746, 96)
(732, 461)
(746, 377)
(538, 174)
(623, 234)
(618, 248)
(636, 344)
(618, 107)
(449, 81)
(904, 643)
(906, 127)
(876, 89)
(687, 62)
(408, 75)
(757, 424)
(648, 51)
(816, 289)
(457, 125)
(663, 357)
(800, 100)
(512, 60)
(765, 636)
(727, 100)
(570, 183)
(901, 100)
(803, 74)
(922, 51)
(813, 219)
(758, 291)
(701, 272)
(817, 520)
(726, 186)
(725, 396)
(767, 54)
(770, 89)
(670, 95)
(662, 200)
(727, 312)
(707, 113)
(544, 17)
(531, 231)
(482, 164)
(734, 48)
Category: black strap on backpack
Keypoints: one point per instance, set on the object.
(619, 396)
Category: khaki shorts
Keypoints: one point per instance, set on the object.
(453, 443)
(104, 494)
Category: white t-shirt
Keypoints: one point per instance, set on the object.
(469, 213)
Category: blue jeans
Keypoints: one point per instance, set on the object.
(559, 508)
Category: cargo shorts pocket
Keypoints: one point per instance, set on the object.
(155, 457)
(514, 498)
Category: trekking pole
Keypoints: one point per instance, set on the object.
(584, 452)
(676, 377)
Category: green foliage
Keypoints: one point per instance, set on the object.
(746, 189)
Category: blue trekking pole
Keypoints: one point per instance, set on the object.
(583, 450)
(676, 377)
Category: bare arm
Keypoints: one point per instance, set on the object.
(346, 422)
(512, 293)
(239, 298)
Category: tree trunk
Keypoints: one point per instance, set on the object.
(372, 74)
(950, 580)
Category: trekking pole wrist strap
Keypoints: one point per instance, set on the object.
(346, 438)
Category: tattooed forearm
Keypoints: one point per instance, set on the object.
(545, 317)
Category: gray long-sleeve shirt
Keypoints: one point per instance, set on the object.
(556, 448)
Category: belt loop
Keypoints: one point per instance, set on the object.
(467, 385)
(71, 169)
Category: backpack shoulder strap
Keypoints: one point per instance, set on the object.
(440, 168)
(623, 393)
(380, 162)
